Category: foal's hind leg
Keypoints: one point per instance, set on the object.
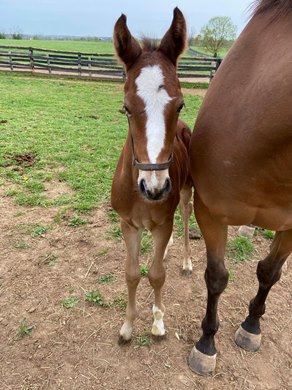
(132, 238)
(161, 235)
(248, 336)
(185, 206)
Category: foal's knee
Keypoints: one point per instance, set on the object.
(156, 279)
(133, 278)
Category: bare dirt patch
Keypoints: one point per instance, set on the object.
(77, 348)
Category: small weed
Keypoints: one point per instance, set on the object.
(70, 302)
(145, 245)
(113, 216)
(119, 302)
(115, 232)
(39, 230)
(95, 298)
(144, 270)
(240, 248)
(49, 259)
(102, 252)
(21, 244)
(106, 279)
(24, 329)
(231, 277)
(144, 340)
(268, 234)
(76, 221)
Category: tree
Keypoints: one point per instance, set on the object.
(217, 32)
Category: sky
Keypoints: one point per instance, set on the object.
(97, 17)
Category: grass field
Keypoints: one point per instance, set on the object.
(82, 46)
(63, 131)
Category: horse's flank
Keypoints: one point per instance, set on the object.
(245, 125)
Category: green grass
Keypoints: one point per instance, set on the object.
(24, 329)
(82, 46)
(144, 340)
(240, 249)
(144, 270)
(119, 302)
(70, 302)
(106, 279)
(94, 297)
(268, 234)
(72, 132)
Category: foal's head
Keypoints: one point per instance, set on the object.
(153, 100)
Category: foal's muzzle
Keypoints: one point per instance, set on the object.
(155, 193)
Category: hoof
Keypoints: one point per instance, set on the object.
(158, 339)
(156, 332)
(248, 341)
(187, 272)
(194, 235)
(122, 341)
(200, 363)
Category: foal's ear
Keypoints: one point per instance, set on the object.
(127, 48)
(174, 41)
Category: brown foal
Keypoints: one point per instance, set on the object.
(151, 177)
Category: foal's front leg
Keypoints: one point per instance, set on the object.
(161, 235)
(132, 238)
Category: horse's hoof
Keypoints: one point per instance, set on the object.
(158, 339)
(246, 340)
(186, 272)
(201, 363)
(122, 341)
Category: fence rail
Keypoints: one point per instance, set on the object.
(103, 66)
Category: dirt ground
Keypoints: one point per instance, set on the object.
(77, 348)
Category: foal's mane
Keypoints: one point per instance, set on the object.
(149, 44)
(280, 8)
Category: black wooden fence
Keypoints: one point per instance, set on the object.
(103, 66)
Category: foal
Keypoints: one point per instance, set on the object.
(152, 173)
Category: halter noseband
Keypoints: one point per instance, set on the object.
(148, 166)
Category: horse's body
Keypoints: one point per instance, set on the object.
(152, 172)
(241, 163)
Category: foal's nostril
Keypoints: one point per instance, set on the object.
(167, 186)
(142, 186)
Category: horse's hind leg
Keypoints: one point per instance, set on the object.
(161, 235)
(248, 336)
(185, 206)
(202, 358)
(132, 238)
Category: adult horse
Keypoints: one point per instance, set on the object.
(152, 173)
(241, 164)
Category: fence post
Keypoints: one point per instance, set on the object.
(10, 60)
(89, 66)
(31, 58)
(79, 64)
(49, 64)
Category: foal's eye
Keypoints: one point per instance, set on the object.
(180, 107)
(127, 111)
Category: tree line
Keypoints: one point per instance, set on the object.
(218, 33)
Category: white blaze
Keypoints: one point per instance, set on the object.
(150, 90)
